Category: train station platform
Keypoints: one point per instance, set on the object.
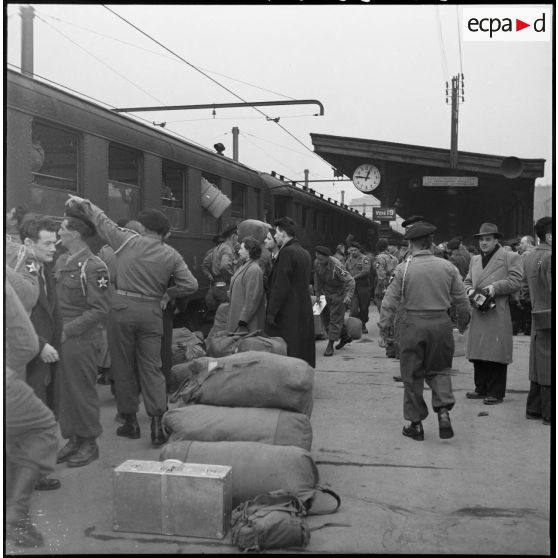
(485, 491)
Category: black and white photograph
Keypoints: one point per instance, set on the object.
(278, 278)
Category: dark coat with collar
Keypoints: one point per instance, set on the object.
(47, 321)
(490, 334)
(289, 309)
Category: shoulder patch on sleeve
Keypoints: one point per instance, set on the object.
(31, 266)
(102, 279)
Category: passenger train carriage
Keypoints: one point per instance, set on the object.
(59, 144)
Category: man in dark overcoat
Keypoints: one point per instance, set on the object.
(538, 272)
(289, 309)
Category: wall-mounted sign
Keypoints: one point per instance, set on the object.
(383, 214)
(468, 181)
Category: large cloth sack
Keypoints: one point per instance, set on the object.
(354, 328)
(250, 379)
(223, 343)
(275, 345)
(256, 468)
(186, 345)
(221, 320)
(252, 227)
(208, 423)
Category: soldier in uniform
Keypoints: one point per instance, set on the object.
(20, 258)
(385, 264)
(82, 288)
(336, 283)
(538, 272)
(358, 265)
(30, 428)
(221, 270)
(144, 266)
(425, 286)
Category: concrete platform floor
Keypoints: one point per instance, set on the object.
(485, 491)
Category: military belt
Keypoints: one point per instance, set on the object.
(136, 295)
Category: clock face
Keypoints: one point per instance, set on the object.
(366, 178)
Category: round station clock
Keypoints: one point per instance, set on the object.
(366, 177)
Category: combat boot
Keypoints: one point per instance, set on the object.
(88, 451)
(158, 437)
(343, 341)
(130, 428)
(329, 349)
(414, 431)
(68, 450)
(444, 424)
(19, 527)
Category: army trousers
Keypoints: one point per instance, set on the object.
(78, 400)
(334, 319)
(361, 301)
(135, 331)
(426, 350)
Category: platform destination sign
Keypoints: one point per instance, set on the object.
(383, 214)
(460, 181)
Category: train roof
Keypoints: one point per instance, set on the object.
(54, 92)
(282, 187)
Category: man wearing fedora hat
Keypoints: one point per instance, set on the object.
(425, 286)
(493, 275)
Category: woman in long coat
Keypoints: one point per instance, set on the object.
(247, 305)
(289, 309)
(490, 342)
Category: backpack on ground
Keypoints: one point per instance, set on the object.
(276, 519)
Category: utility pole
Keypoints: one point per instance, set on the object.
(27, 14)
(342, 197)
(306, 173)
(457, 96)
(235, 143)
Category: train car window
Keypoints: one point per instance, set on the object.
(281, 209)
(124, 191)
(238, 201)
(54, 157)
(174, 193)
(210, 224)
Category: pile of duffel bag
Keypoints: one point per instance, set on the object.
(250, 411)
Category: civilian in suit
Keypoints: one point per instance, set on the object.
(39, 236)
(289, 309)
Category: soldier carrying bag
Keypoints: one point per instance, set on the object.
(276, 519)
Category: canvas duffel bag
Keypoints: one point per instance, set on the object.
(226, 343)
(250, 379)
(256, 467)
(186, 345)
(208, 423)
(221, 320)
(275, 345)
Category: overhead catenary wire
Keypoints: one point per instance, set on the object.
(108, 105)
(443, 55)
(99, 60)
(165, 56)
(459, 40)
(216, 82)
(266, 153)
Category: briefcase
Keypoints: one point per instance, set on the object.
(172, 498)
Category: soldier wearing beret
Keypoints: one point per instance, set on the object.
(425, 286)
(144, 266)
(358, 265)
(336, 283)
(82, 283)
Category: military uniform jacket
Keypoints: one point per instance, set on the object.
(333, 280)
(223, 263)
(430, 284)
(144, 264)
(21, 259)
(82, 288)
(490, 335)
(359, 267)
(384, 264)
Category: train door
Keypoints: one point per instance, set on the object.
(124, 182)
